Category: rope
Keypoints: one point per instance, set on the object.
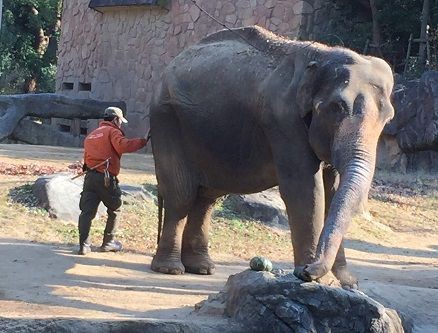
(225, 26)
(239, 35)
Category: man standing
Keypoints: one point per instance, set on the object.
(103, 149)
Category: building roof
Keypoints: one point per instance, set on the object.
(111, 3)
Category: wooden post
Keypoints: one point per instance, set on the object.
(375, 44)
(1, 13)
(408, 54)
(428, 50)
(365, 49)
(423, 35)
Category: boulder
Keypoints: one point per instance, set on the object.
(266, 206)
(415, 123)
(133, 194)
(60, 195)
(414, 128)
(268, 302)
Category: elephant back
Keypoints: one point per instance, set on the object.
(256, 36)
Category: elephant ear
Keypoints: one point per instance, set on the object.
(307, 88)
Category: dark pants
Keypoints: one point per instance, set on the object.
(93, 193)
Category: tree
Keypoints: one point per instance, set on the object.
(387, 23)
(28, 45)
(1, 12)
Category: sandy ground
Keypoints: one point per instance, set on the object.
(49, 281)
(44, 281)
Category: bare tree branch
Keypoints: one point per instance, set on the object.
(13, 108)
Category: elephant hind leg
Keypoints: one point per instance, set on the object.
(177, 184)
(168, 257)
(195, 256)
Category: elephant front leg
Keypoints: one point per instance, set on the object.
(304, 199)
(339, 269)
(301, 186)
(195, 256)
(168, 257)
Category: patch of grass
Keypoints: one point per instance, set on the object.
(68, 233)
(400, 203)
(405, 202)
(246, 239)
(24, 196)
(233, 233)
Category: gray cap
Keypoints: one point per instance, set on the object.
(113, 111)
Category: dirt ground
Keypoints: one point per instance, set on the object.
(398, 266)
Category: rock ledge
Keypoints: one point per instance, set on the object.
(266, 302)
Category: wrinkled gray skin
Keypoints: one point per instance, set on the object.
(233, 118)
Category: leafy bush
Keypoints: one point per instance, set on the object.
(28, 44)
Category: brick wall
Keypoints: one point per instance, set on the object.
(119, 53)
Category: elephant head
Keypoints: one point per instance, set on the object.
(345, 103)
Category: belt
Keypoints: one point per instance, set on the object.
(101, 173)
(93, 171)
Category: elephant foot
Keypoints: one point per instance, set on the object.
(311, 272)
(345, 277)
(329, 280)
(167, 265)
(198, 264)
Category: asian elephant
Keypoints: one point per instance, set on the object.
(244, 110)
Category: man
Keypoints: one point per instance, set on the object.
(103, 149)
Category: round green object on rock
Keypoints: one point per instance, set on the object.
(260, 264)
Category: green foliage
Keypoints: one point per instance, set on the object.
(352, 27)
(349, 25)
(28, 44)
(397, 20)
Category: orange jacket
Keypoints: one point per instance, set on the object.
(108, 141)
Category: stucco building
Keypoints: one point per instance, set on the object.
(115, 50)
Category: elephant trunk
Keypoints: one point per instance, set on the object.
(353, 189)
(354, 156)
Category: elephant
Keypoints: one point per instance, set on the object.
(244, 110)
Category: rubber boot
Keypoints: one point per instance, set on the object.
(109, 244)
(84, 248)
(84, 244)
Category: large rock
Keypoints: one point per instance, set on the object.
(415, 124)
(60, 195)
(266, 302)
(414, 128)
(266, 206)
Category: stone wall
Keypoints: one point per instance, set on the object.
(119, 53)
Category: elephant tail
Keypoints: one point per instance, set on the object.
(160, 216)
